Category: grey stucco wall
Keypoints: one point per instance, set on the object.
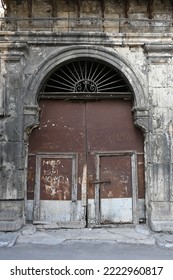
(146, 61)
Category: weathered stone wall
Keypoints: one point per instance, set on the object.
(159, 148)
(12, 155)
(144, 58)
(109, 15)
(124, 8)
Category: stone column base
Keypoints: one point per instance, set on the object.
(161, 216)
(11, 215)
(164, 226)
(11, 225)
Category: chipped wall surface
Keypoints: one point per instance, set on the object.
(136, 39)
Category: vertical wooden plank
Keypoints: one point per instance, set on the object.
(84, 185)
(37, 190)
(134, 189)
(97, 191)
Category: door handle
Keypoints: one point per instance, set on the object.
(108, 181)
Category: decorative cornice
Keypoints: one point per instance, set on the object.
(155, 47)
(159, 53)
(12, 45)
(141, 118)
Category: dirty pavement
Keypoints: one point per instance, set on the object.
(43, 235)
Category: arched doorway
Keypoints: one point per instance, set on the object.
(86, 157)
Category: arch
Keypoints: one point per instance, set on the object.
(107, 56)
(85, 76)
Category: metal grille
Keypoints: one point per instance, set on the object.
(85, 76)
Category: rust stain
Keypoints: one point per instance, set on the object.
(118, 170)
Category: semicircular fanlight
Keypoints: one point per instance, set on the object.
(85, 76)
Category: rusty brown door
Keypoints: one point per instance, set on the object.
(86, 162)
(114, 152)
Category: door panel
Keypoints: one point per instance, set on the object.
(110, 127)
(117, 169)
(116, 196)
(59, 146)
(55, 178)
(56, 187)
(64, 153)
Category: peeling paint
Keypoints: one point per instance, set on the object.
(55, 184)
(84, 185)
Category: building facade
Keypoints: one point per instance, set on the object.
(86, 113)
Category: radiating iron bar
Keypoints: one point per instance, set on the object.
(50, 79)
(68, 86)
(99, 74)
(86, 69)
(104, 75)
(63, 78)
(95, 71)
(82, 76)
(113, 82)
(68, 75)
(108, 79)
(114, 87)
(57, 87)
(76, 71)
(90, 70)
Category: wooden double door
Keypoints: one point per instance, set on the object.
(86, 163)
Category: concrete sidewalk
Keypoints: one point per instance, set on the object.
(140, 234)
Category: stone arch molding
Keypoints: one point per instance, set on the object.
(111, 57)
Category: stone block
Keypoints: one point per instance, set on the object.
(11, 210)
(159, 182)
(111, 23)
(159, 97)
(158, 74)
(13, 155)
(159, 148)
(162, 215)
(11, 225)
(14, 129)
(12, 183)
(161, 226)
